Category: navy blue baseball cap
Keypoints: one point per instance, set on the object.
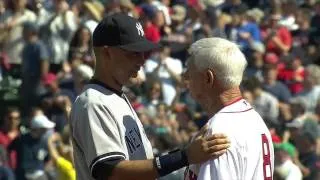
(123, 31)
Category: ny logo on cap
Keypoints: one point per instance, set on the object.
(140, 29)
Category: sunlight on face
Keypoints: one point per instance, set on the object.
(126, 64)
(193, 80)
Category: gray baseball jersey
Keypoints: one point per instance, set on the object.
(105, 128)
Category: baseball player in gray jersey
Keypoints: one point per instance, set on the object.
(108, 138)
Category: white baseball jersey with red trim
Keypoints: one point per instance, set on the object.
(251, 154)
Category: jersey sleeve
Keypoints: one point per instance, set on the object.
(97, 133)
(226, 166)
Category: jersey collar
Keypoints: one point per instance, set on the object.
(100, 83)
(237, 106)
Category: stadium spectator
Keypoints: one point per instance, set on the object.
(46, 56)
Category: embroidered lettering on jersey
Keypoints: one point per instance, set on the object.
(140, 29)
(133, 140)
(192, 175)
(189, 175)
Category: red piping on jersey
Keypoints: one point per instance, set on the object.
(238, 111)
(232, 102)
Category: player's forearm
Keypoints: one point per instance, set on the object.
(140, 169)
(151, 169)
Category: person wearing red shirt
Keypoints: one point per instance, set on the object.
(9, 130)
(152, 32)
(278, 39)
(293, 75)
(153, 21)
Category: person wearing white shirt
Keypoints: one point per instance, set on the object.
(311, 91)
(168, 70)
(13, 21)
(60, 29)
(263, 102)
(213, 76)
(285, 168)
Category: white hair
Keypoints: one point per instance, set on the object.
(221, 55)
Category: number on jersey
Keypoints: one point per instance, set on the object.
(266, 158)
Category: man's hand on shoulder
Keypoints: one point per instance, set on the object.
(204, 148)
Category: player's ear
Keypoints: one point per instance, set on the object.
(210, 77)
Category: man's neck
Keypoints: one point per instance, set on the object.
(224, 99)
(109, 81)
(104, 72)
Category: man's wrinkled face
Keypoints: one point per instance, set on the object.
(194, 81)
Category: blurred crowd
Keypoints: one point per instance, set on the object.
(46, 58)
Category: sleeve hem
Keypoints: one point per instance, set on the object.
(112, 156)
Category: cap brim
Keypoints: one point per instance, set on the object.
(142, 46)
